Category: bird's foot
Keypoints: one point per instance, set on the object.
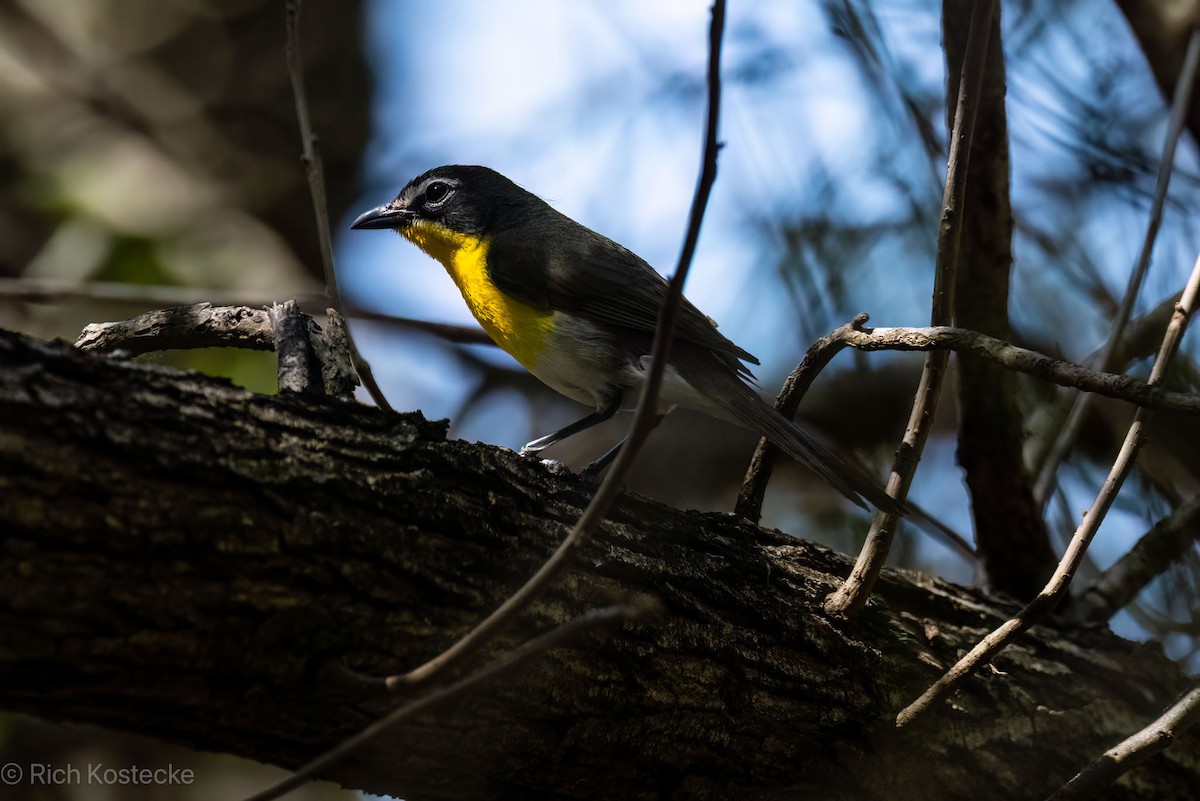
(555, 467)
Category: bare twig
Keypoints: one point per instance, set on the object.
(313, 167)
(316, 184)
(1039, 365)
(1178, 718)
(643, 421)
(1079, 404)
(1154, 552)
(762, 464)
(590, 621)
(849, 599)
(1054, 590)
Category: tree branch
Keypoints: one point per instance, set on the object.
(202, 325)
(556, 637)
(185, 559)
(1067, 374)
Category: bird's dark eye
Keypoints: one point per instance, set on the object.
(436, 192)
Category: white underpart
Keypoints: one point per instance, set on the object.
(577, 361)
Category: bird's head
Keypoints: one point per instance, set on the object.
(451, 200)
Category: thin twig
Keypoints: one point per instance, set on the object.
(762, 464)
(313, 167)
(1116, 761)
(1080, 404)
(643, 421)
(1023, 360)
(589, 621)
(850, 598)
(1054, 590)
(316, 185)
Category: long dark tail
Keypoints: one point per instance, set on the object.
(742, 405)
(848, 479)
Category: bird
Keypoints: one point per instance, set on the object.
(578, 311)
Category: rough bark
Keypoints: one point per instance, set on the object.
(185, 559)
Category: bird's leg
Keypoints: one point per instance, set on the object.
(607, 410)
(597, 468)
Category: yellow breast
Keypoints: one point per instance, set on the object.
(518, 328)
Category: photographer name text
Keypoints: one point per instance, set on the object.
(44, 773)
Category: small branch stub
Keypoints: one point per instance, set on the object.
(299, 373)
(332, 350)
(312, 361)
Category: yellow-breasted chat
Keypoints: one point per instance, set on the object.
(578, 311)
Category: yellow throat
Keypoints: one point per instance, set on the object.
(518, 328)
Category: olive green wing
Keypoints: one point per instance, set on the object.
(574, 269)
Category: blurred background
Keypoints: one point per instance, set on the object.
(149, 157)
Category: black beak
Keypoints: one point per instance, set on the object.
(385, 216)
